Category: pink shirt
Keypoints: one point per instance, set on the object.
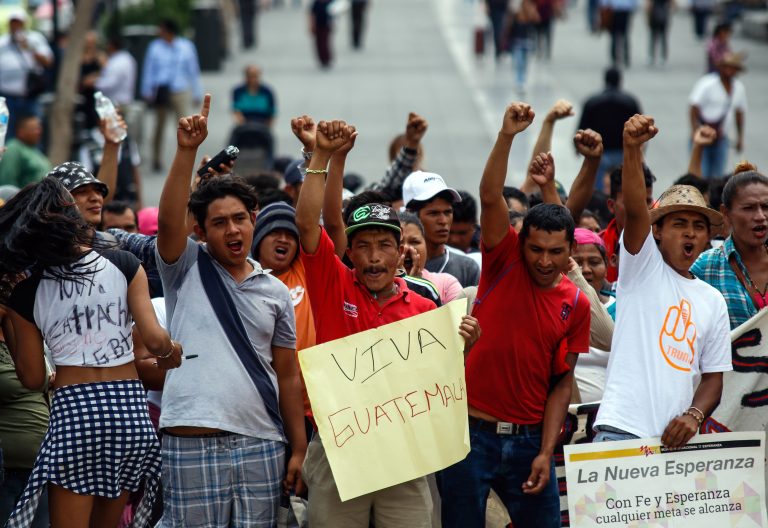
(448, 286)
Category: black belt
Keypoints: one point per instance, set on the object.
(217, 434)
(504, 428)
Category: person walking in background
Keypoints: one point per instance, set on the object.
(497, 11)
(658, 23)
(701, 11)
(170, 80)
(718, 45)
(249, 23)
(253, 101)
(522, 34)
(321, 27)
(117, 80)
(718, 100)
(621, 19)
(547, 10)
(359, 8)
(24, 54)
(605, 113)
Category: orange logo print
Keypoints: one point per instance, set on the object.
(677, 337)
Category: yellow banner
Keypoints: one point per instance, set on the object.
(391, 403)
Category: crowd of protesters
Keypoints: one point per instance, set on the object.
(148, 355)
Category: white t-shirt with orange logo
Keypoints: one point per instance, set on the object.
(669, 330)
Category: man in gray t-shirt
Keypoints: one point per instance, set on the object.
(228, 413)
(427, 195)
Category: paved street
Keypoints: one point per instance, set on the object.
(418, 57)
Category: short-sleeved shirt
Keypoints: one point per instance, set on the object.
(22, 164)
(214, 389)
(713, 268)
(84, 319)
(466, 271)
(342, 306)
(527, 332)
(669, 330)
(716, 106)
(16, 63)
(258, 107)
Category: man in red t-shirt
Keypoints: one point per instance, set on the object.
(520, 373)
(346, 301)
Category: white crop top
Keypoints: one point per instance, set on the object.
(84, 320)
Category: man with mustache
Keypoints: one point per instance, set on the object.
(347, 301)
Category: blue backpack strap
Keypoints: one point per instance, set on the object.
(229, 319)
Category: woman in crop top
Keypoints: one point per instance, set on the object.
(81, 301)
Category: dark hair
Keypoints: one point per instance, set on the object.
(616, 179)
(716, 186)
(263, 181)
(117, 207)
(281, 163)
(466, 209)
(170, 25)
(586, 213)
(514, 216)
(745, 174)
(694, 181)
(598, 204)
(359, 200)
(273, 196)
(216, 188)
(115, 41)
(612, 77)
(517, 194)
(408, 218)
(721, 27)
(418, 205)
(42, 229)
(548, 217)
(352, 182)
(22, 120)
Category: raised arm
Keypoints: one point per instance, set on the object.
(172, 217)
(589, 144)
(560, 110)
(331, 135)
(108, 168)
(704, 136)
(542, 172)
(405, 161)
(494, 213)
(637, 131)
(333, 219)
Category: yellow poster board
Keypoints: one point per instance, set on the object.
(391, 403)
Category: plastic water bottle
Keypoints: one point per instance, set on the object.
(4, 115)
(106, 110)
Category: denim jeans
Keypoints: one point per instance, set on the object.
(501, 462)
(520, 48)
(610, 160)
(714, 159)
(611, 434)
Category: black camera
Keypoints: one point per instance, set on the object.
(228, 155)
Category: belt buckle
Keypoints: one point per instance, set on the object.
(506, 428)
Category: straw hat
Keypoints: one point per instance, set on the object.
(734, 60)
(684, 198)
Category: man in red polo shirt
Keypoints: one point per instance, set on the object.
(519, 375)
(346, 301)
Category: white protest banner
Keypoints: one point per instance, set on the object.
(713, 481)
(390, 403)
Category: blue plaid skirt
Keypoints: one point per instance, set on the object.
(101, 442)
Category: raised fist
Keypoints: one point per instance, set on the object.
(588, 143)
(193, 130)
(542, 169)
(638, 130)
(332, 135)
(517, 117)
(560, 110)
(704, 136)
(304, 129)
(350, 144)
(415, 130)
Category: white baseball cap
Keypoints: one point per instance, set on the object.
(18, 14)
(423, 186)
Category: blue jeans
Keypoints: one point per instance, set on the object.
(501, 462)
(609, 161)
(611, 434)
(714, 159)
